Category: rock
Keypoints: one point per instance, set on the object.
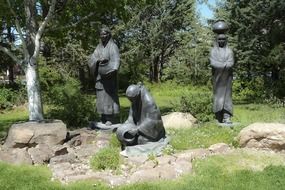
(16, 156)
(103, 139)
(30, 134)
(106, 177)
(166, 167)
(86, 151)
(81, 137)
(193, 154)
(219, 148)
(67, 158)
(178, 120)
(263, 135)
(41, 154)
(59, 150)
(136, 160)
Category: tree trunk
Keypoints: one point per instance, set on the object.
(11, 74)
(33, 89)
(156, 69)
(151, 72)
(275, 74)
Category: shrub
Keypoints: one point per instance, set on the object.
(250, 91)
(10, 97)
(70, 105)
(198, 103)
(5, 98)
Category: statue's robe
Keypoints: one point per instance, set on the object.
(145, 116)
(107, 101)
(222, 61)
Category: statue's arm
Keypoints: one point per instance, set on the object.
(115, 57)
(230, 60)
(130, 117)
(215, 62)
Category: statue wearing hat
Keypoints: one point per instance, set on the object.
(222, 61)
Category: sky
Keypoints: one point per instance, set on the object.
(204, 10)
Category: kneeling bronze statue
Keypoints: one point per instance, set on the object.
(144, 123)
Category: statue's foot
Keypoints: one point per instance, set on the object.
(108, 123)
(227, 121)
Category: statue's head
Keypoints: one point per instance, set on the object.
(105, 34)
(133, 92)
(222, 40)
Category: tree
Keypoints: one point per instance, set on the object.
(30, 29)
(150, 36)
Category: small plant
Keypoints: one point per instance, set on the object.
(152, 157)
(106, 158)
(114, 142)
(168, 150)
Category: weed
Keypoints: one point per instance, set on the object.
(106, 158)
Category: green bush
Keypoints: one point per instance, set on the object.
(10, 97)
(70, 105)
(106, 158)
(250, 91)
(198, 103)
(6, 98)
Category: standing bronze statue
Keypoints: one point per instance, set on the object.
(104, 64)
(222, 61)
(144, 123)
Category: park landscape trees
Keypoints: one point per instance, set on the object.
(159, 41)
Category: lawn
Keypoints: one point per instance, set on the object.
(242, 170)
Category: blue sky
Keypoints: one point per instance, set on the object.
(204, 10)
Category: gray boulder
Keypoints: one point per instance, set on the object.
(178, 120)
(30, 134)
(263, 135)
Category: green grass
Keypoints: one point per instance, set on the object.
(250, 113)
(201, 137)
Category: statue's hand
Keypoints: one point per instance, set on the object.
(133, 132)
(110, 74)
(104, 61)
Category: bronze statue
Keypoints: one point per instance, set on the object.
(104, 64)
(144, 123)
(222, 61)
